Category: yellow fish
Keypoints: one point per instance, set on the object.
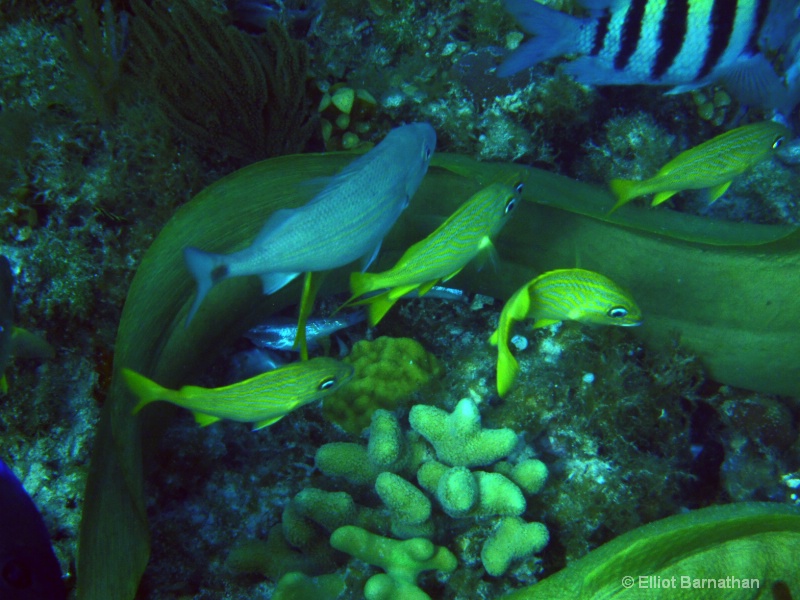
(261, 400)
(561, 295)
(712, 164)
(442, 254)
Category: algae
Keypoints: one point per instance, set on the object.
(733, 301)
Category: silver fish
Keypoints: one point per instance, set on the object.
(681, 43)
(279, 333)
(347, 220)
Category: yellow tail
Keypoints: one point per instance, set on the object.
(145, 389)
(507, 369)
(624, 190)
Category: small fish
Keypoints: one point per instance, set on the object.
(683, 43)
(29, 569)
(561, 295)
(442, 254)
(347, 220)
(262, 400)
(713, 164)
(279, 333)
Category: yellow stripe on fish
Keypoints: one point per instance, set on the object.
(713, 164)
(442, 254)
(561, 295)
(261, 400)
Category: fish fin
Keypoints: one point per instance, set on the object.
(266, 422)
(272, 282)
(145, 389)
(378, 307)
(545, 322)
(207, 269)
(398, 292)
(278, 220)
(753, 82)
(204, 420)
(507, 369)
(25, 344)
(662, 197)
(556, 34)
(360, 284)
(370, 257)
(3, 384)
(426, 287)
(311, 283)
(715, 192)
(624, 190)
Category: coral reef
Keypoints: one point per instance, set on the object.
(388, 372)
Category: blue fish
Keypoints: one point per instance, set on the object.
(682, 43)
(29, 569)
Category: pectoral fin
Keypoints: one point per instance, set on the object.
(205, 420)
(311, 283)
(266, 422)
(715, 192)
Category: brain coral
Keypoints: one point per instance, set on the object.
(387, 373)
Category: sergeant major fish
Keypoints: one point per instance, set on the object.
(29, 569)
(681, 43)
(345, 221)
(261, 400)
(442, 254)
(713, 164)
(560, 295)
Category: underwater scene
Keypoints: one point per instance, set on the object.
(383, 299)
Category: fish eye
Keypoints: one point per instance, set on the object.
(512, 202)
(519, 187)
(327, 384)
(617, 312)
(778, 142)
(17, 575)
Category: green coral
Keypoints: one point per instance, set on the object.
(299, 586)
(403, 561)
(458, 437)
(388, 371)
(513, 539)
(410, 509)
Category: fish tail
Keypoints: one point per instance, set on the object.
(507, 369)
(624, 190)
(207, 269)
(378, 307)
(361, 283)
(556, 34)
(145, 389)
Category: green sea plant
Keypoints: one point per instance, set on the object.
(255, 86)
(648, 251)
(95, 49)
(736, 551)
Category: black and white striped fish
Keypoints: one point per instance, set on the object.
(682, 43)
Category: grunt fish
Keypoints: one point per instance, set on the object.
(261, 400)
(713, 164)
(347, 220)
(561, 295)
(442, 254)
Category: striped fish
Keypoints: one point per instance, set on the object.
(681, 43)
(347, 220)
(261, 400)
(442, 254)
(561, 295)
(712, 164)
